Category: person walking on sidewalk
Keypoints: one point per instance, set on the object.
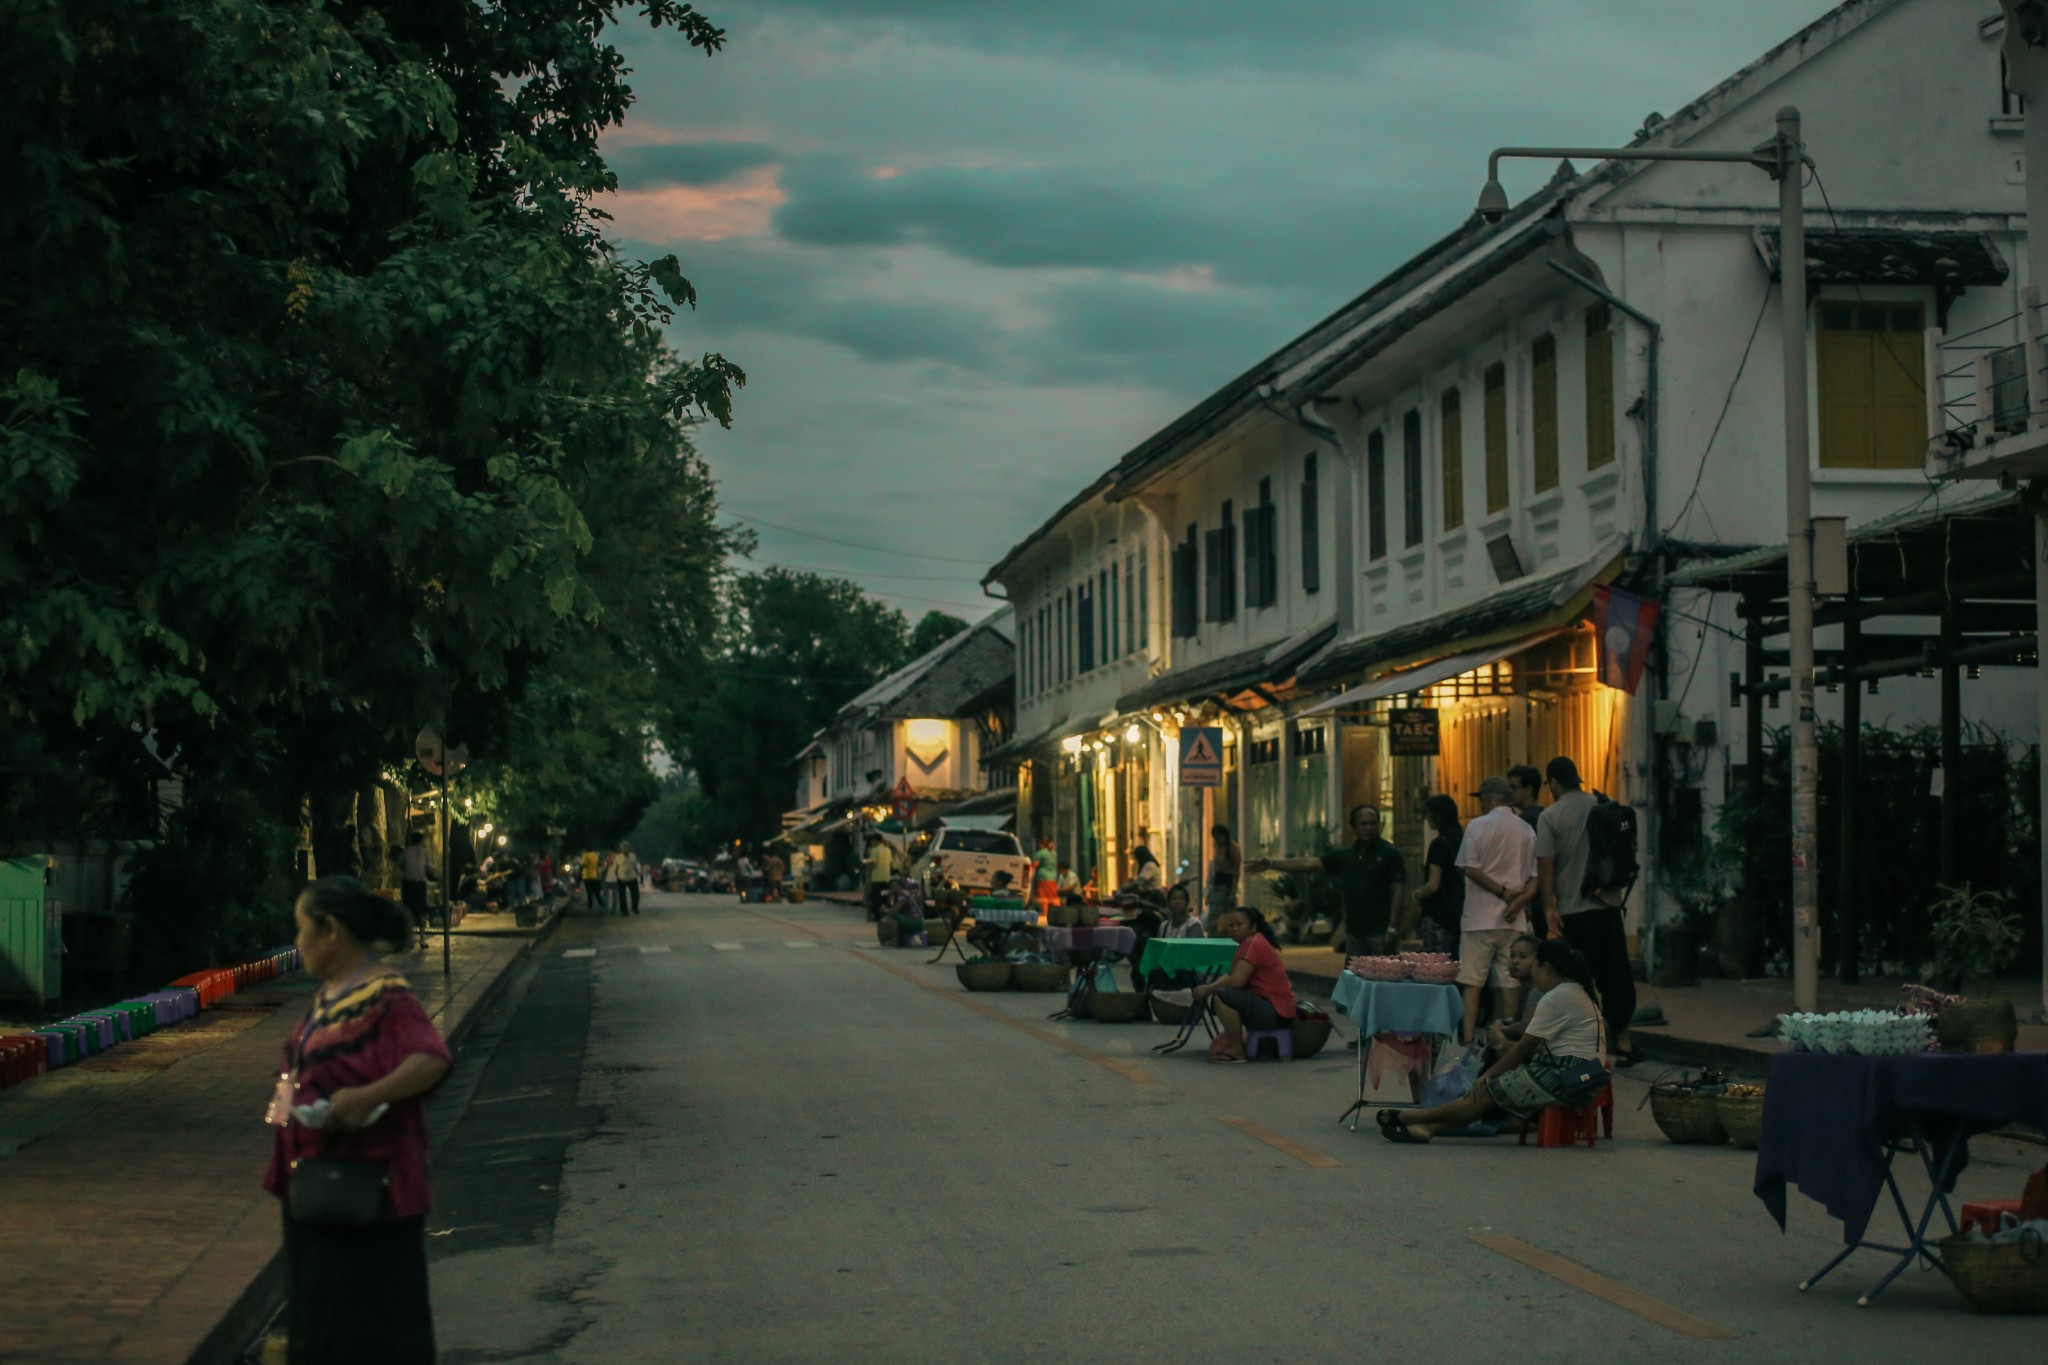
(1584, 915)
(1370, 875)
(623, 872)
(415, 865)
(356, 1259)
(593, 885)
(881, 862)
(1224, 865)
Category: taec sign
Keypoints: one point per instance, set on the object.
(1413, 732)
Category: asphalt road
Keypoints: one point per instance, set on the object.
(721, 1132)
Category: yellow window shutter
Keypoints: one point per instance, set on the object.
(1496, 438)
(1599, 389)
(1847, 403)
(1899, 436)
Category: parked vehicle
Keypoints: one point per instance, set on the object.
(972, 850)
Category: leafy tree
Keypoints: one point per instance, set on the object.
(326, 409)
(796, 648)
(933, 630)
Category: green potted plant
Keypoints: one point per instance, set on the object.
(1975, 933)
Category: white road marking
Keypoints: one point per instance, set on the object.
(729, 947)
(654, 948)
(798, 943)
(580, 952)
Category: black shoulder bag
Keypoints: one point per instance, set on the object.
(324, 1191)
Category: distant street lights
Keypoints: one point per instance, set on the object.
(1784, 159)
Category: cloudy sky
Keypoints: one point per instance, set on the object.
(970, 251)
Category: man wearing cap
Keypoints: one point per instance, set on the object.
(1498, 858)
(1369, 874)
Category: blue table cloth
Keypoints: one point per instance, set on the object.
(1827, 1118)
(1398, 1006)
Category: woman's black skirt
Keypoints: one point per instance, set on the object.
(358, 1294)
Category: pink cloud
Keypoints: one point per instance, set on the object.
(740, 207)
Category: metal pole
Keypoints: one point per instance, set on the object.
(1848, 855)
(447, 851)
(1799, 564)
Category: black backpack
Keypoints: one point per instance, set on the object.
(1610, 848)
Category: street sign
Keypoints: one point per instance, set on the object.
(904, 799)
(1201, 756)
(1413, 732)
(426, 746)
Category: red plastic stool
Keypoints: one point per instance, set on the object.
(1983, 1215)
(1557, 1126)
(1605, 1104)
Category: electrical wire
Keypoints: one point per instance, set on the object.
(1727, 399)
(854, 544)
(849, 573)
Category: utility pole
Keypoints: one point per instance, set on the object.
(1791, 175)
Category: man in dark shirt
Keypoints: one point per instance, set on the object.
(1370, 875)
(1525, 788)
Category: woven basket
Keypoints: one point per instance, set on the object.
(1117, 1007)
(984, 976)
(1743, 1118)
(1310, 1032)
(1168, 1013)
(1039, 976)
(1061, 916)
(1977, 1026)
(1998, 1278)
(1687, 1115)
(938, 930)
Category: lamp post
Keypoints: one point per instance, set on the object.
(1783, 157)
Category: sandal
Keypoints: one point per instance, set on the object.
(1397, 1131)
(1387, 1116)
(1225, 1058)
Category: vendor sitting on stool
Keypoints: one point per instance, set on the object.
(1558, 1059)
(1256, 994)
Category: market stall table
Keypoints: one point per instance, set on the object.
(1833, 1124)
(1206, 958)
(1384, 1008)
(1017, 916)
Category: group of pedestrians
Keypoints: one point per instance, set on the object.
(611, 879)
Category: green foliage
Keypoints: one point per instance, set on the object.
(326, 410)
(795, 647)
(933, 629)
(1975, 934)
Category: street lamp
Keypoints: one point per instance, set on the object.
(1783, 157)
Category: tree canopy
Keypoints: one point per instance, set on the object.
(326, 410)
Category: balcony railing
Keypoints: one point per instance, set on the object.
(1987, 396)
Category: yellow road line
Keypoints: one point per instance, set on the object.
(1134, 1075)
(1599, 1286)
(789, 924)
(1306, 1155)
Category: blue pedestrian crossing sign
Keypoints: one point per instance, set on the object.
(1201, 756)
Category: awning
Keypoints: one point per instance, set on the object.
(1428, 675)
(1513, 613)
(1052, 734)
(1891, 256)
(1230, 674)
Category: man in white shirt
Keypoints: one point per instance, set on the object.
(1498, 858)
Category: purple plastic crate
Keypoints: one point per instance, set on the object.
(101, 1028)
(122, 1026)
(61, 1044)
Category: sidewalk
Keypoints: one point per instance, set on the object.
(133, 1225)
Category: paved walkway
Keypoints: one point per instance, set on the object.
(132, 1219)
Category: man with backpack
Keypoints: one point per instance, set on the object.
(1585, 867)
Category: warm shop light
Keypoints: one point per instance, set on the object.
(1072, 744)
(925, 734)
(1131, 733)
(501, 841)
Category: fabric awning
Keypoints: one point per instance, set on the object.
(1429, 674)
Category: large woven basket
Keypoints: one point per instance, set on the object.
(938, 930)
(1117, 1007)
(1039, 976)
(1687, 1115)
(1168, 1013)
(1742, 1116)
(984, 976)
(1062, 916)
(1998, 1277)
(1310, 1032)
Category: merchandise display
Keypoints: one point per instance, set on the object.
(1436, 969)
(1862, 1033)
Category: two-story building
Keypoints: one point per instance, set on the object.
(1412, 503)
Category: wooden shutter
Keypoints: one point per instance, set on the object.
(1376, 495)
(1311, 533)
(1496, 438)
(1599, 388)
(1543, 413)
(1411, 476)
(1451, 438)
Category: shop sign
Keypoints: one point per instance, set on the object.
(904, 799)
(1201, 756)
(1412, 732)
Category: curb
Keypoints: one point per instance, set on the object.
(244, 1324)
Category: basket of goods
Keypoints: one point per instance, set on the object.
(1039, 976)
(2005, 1273)
(1166, 1012)
(1978, 1026)
(1117, 1007)
(1087, 916)
(1311, 1030)
(1062, 916)
(1688, 1110)
(1434, 973)
(1741, 1111)
(984, 974)
(1381, 968)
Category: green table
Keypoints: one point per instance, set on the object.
(1201, 955)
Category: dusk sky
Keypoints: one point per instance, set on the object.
(968, 254)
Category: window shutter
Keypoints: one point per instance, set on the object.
(1411, 476)
(1451, 437)
(1599, 388)
(1185, 579)
(1496, 418)
(1311, 534)
(1084, 619)
(1543, 413)
(1376, 495)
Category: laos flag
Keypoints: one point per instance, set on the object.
(1623, 626)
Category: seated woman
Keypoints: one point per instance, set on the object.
(1503, 1034)
(1181, 920)
(1559, 1058)
(1256, 993)
(1146, 873)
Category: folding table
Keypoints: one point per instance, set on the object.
(1380, 1007)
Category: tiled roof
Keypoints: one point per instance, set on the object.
(1233, 673)
(1892, 256)
(947, 679)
